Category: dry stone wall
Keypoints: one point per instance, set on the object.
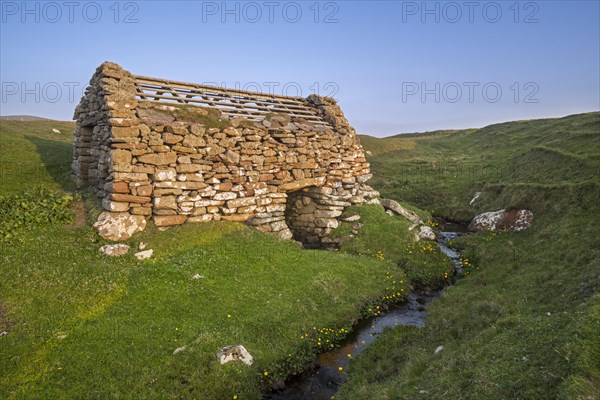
(179, 163)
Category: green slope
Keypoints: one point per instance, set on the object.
(524, 324)
(80, 324)
(443, 170)
(31, 154)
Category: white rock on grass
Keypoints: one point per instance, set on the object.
(396, 208)
(114, 249)
(438, 349)
(55, 130)
(234, 353)
(179, 350)
(119, 226)
(425, 232)
(143, 255)
(352, 218)
(513, 220)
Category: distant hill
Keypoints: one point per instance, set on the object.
(442, 170)
(23, 118)
(403, 141)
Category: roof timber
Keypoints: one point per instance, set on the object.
(231, 102)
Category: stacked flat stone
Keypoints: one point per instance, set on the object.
(281, 174)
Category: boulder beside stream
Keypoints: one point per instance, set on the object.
(513, 220)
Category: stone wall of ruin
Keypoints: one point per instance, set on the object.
(181, 163)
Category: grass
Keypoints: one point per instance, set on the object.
(123, 319)
(84, 325)
(32, 155)
(443, 170)
(389, 238)
(378, 146)
(585, 378)
(41, 207)
(524, 323)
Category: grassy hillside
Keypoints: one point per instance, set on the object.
(79, 324)
(525, 324)
(442, 170)
(377, 146)
(31, 154)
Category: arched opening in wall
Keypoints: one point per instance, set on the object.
(300, 218)
(311, 217)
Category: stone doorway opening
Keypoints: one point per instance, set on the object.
(311, 216)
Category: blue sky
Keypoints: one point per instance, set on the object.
(394, 66)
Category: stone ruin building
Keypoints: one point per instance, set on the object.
(180, 152)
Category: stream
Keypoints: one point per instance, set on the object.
(323, 380)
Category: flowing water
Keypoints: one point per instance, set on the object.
(322, 381)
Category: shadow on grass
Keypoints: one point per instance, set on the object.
(56, 161)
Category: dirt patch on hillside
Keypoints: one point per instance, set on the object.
(80, 215)
(5, 323)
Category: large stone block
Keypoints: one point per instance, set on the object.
(130, 177)
(169, 220)
(159, 158)
(396, 208)
(138, 209)
(194, 141)
(225, 196)
(119, 226)
(201, 218)
(165, 174)
(117, 187)
(170, 138)
(241, 202)
(115, 206)
(190, 168)
(326, 223)
(237, 217)
(129, 198)
(231, 157)
(165, 202)
(327, 213)
(181, 185)
(145, 190)
(125, 132)
(275, 208)
(513, 220)
(302, 183)
(120, 156)
(178, 129)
